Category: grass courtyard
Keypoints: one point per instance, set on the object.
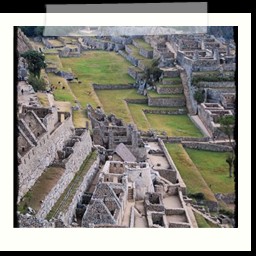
(203, 171)
(113, 102)
(214, 169)
(99, 67)
(174, 125)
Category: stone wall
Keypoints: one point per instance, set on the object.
(181, 139)
(112, 86)
(34, 162)
(172, 73)
(137, 101)
(166, 102)
(176, 211)
(165, 112)
(135, 74)
(169, 90)
(81, 150)
(183, 187)
(178, 225)
(131, 59)
(67, 216)
(66, 75)
(146, 53)
(207, 146)
(168, 174)
(214, 94)
(215, 84)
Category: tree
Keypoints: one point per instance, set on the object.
(153, 73)
(227, 126)
(36, 61)
(199, 96)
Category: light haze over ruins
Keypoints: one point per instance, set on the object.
(122, 129)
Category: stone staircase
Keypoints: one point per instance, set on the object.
(130, 194)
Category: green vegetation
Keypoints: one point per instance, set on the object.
(202, 222)
(199, 96)
(174, 125)
(143, 44)
(139, 117)
(41, 188)
(190, 174)
(172, 80)
(38, 84)
(212, 76)
(96, 67)
(113, 102)
(227, 126)
(214, 169)
(154, 94)
(36, 62)
(100, 67)
(66, 198)
(59, 93)
(32, 31)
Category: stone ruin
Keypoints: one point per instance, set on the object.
(210, 113)
(109, 132)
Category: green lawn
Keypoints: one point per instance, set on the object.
(172, 80)
(174, 125)
(214, 169)
(96, 67)
(140, 117)
(154, 94)
(100, 67)
(202, 222)
(113, 102)
(59, 93)
(189, 172)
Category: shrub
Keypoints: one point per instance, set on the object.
(38, 84)
(199, 96)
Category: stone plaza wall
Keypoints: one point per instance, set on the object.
(165, 111)
(81, 150)
(135, 74)
(131, 59)
(146, 53)
(166, 102)
(169, 90)
(34, 162)
(207, 146)
(67, 216)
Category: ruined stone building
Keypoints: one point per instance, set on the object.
(109, 132)
(132, 194)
